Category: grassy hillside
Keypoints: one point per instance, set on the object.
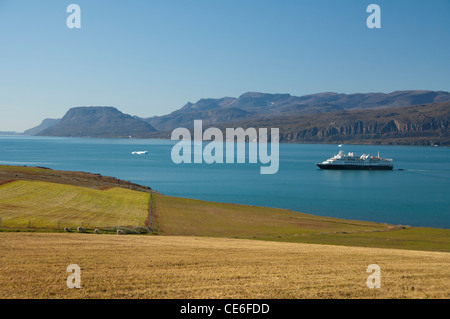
(181, 216)
(42, 205)
(189, 217)
(47, 206)
(34, 266)
(95, 181)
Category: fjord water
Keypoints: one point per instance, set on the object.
(416, 196)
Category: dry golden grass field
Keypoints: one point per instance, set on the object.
(33, 265)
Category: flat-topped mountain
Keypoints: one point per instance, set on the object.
(99, 121)
(254, 105)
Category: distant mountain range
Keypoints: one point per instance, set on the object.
(402, 117)
(251, 106)
(10, 133)
(425, 124)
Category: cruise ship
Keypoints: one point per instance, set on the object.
(353, 162)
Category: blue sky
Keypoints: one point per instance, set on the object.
(151, 57)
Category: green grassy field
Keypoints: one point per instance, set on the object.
(49, 207)
(181, 216)
(42, 205)
(188, 217)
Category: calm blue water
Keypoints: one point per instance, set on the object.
(418, 196)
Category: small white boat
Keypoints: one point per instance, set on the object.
(140, 153)
(340, 145)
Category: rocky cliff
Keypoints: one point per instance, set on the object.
(426, 124)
